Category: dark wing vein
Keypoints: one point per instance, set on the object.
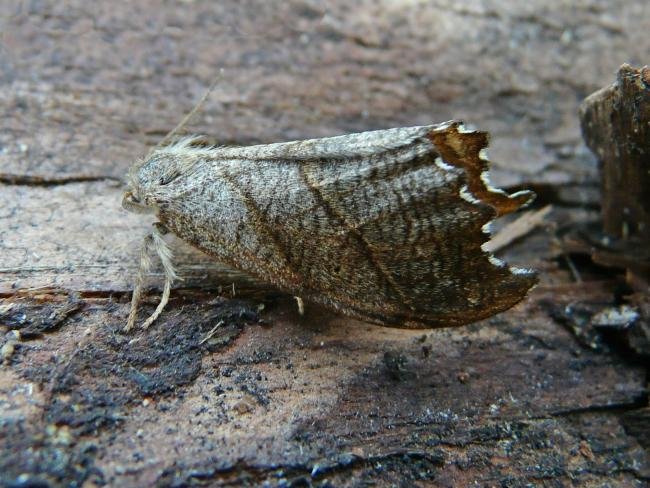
(355, 233)
(261, 224)
(417, 162)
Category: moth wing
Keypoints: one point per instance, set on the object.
(394, 234)
(337, 148)
(386, 225)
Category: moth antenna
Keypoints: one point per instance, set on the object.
(154, 240)
(165, 140)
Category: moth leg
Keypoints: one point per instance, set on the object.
(301, 305)
(155, 242)
(145, 264)
(165, 255)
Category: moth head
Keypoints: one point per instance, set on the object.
(147, 182)
(137, 198)
(158, 170)
(151, 179)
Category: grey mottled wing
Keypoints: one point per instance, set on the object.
(383, 225)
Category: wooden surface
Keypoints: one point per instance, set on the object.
(530, 396)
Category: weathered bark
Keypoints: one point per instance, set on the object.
(521, 398)
(616, 125)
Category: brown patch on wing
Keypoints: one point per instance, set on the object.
(462, 149)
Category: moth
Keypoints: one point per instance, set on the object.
(385, 226)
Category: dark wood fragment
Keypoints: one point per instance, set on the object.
(616, 126)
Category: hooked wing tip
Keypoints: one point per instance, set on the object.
(467, 149)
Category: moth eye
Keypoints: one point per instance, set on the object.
(164, 180)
